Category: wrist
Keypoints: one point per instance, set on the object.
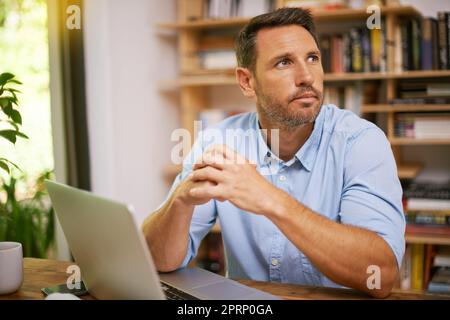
(180, 201)
(276, 205)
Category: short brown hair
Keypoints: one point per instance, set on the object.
(246, 41)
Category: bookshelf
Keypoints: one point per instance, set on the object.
(208, 78)
(195, 84)
(320, 16)
(434, 240)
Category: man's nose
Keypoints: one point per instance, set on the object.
(303, 75)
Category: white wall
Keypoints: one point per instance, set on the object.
(129, 120)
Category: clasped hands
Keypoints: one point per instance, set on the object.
(223, 174)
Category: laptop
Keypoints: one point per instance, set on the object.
(114, 259)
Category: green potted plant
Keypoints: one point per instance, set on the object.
(26, 217)
(10, 118)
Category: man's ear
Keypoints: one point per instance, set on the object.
(246, 82)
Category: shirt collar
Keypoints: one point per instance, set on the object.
(307, 153)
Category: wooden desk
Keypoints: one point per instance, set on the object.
(40, 273)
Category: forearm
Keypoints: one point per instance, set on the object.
(341, 252)
(167, 233)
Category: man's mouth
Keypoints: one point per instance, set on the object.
(305, 98)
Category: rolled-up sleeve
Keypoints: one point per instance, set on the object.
(372, 194)
(204, 216)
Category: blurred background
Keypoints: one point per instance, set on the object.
(103, 84)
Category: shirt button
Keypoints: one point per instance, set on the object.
(282, 178)
(274, 262)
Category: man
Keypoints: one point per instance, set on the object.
(323, 207)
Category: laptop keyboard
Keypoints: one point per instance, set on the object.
(172, 293)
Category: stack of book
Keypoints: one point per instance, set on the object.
(359, 50)
(423, 44)
(324, 4)
(440, 280)
(423, 125)
(427, 209)
(224, 9)
(422, 92)
(221, 59)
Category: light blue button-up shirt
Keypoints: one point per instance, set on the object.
(345, 172)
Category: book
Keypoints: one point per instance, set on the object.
(427, 190)
(427, 265)
(416, 44)
(442, 257)
(356, 51)
(417, 260)
(427, 43)
(440, 282)
(443, 40)
(325, 49)
(405, 270)
(217, 59)
(427, 218)
(427, 230)
(428, 204)
(420, 101)
(251, 8)
(423, 125)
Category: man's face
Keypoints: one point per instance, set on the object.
(288, 76)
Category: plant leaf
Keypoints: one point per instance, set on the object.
(4, 166)
(15, 81)
(9, 135)
(22, 135)
(4, 77)
(4, 101)
(16, 117)
(8, 109)
(12, 90)
(11, 163)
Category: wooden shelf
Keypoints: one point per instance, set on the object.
(227, 77)
(404, 108)
(408, 171)
(427, 239)
(358, 76)
(412, 141)
(320, 16)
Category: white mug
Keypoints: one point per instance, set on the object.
(11, 267)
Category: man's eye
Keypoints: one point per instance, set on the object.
(283, 63)
(313, 58)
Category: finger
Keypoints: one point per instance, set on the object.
(215, 192)
(208, 173)
(231, 156)
(208, 159)
(203, 183)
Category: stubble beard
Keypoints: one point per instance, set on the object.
(286, 116)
